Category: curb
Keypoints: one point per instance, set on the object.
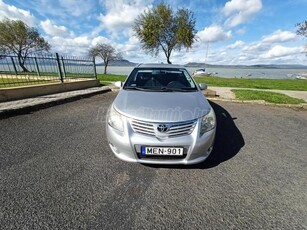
(19, 110)
(302, 106)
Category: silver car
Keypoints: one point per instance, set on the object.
(160, 116)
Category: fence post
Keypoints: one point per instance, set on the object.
(64, 70)
(59, 67)
(36, 65)
(14, 66)
(94, 66)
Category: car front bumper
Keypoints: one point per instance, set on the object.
(126, 145)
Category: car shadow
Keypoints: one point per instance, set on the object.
(228, 142)
(228, 139)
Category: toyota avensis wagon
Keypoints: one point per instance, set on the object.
(160, 116)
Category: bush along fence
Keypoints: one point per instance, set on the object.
(44, 69)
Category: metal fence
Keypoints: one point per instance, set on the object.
(44, 69)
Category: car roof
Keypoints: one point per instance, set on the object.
(159, 65)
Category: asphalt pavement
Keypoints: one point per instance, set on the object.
(57, 172)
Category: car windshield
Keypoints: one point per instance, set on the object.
(160, 79)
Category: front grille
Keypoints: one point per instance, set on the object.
(173, 129)
(181, 129)
(143, 127)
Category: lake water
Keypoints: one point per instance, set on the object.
(221, 72)
(224, 72)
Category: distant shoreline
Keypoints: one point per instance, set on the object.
(227, 72)
(204, 65)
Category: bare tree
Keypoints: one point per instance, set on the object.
(106, 52)
(18, 38)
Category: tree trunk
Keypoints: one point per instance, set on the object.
(106, 63)
(168, 60)
(24, 69)
(22, 63)
(105, 68)
(168, 55)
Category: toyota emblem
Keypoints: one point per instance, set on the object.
(162, 128)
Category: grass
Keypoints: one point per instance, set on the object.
(281, 84)
(15, 82)
(51, 74)
(30, 78)
(270, 97)
(106, 79)
(111, 77)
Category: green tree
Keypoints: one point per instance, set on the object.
(106, 52)
(18, 38)
(302, 30)
(162, 28)
(2, 52)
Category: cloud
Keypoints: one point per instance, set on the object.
(280, 36)
(121, 14)
(100, 40)
(256, 47)
(213, 33)
(77, 46)
(61, 9)
(241, 31)
(237, 44)
(281, 51)
(131, 45)
(53, 30)
(77, 8)
(15, 13)
(240, 11)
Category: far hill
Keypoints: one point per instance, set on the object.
(261, 66)
(122, 62)
(125, 62)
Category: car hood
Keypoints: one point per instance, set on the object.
(161, 106)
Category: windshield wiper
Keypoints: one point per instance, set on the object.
(157, 89)
(134, 88)
(160, 89)
(178, 89)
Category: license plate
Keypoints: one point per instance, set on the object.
(161, 151)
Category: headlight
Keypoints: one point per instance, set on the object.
(208, 122)
(115, 119)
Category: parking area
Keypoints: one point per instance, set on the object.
(57, 171)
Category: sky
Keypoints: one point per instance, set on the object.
(233, 32)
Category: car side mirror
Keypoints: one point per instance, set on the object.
(203, 86)
(118, 84)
